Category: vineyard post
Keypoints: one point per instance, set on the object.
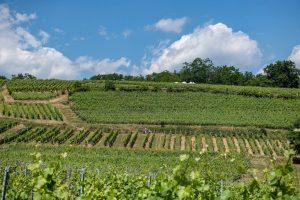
(69, 173)
(82, 176)
(26, 170)
(5, 183)
(222, 187)
(149, 180)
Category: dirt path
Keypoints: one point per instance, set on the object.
(159, 141)
(280, 145)
(68, 115)
(193, 141)
(226, 145)
(182, 143)
(250, 152)
(271, 147)
(204, 145)
(149, 141)
(261, 152)
(7, 97)
(172, 142)
(237, 146)
(215, 146)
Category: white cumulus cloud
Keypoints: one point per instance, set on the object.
(104, 66)
(295, 56)
(217, 42)
(22, 52)
(169, 25)
(23, 17)
(44, 36)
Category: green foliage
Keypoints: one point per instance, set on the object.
(30, 85)
(164, 76)
(184, 108)
(31, 111)
(198, 71)
(283, 74)
(22, 76)
(129, 86)
(294, 137)
(6, 124)
(33, 95)
(78, 87)
(2, 77)
(109, 85)
(297, 123)
(184, 182)
(136, 161)
(280, 74)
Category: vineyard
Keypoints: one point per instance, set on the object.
(30, 111)
(130, 86)
(213, 141)
(138, 132)
(34, 95)
(185, 108)
(200, 173)
(38, 85)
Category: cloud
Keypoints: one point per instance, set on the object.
(44, 36)
(126, 33)
(169, 25)
(103, 32)
(22, 52)
(104, 66)
(24, 17)
(58, 30)
(295, 56)
(217, 42)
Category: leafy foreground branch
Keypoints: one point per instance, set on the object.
(54, 182)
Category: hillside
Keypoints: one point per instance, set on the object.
(143, 127)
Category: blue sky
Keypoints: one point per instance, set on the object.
(139, 37)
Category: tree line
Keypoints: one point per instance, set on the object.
(279, 74)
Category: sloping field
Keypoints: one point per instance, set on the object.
(185, 108)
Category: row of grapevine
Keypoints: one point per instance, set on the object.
(190, 178)
(31, 111)
(6, 124)
(34, 95)
(130, 86)
(251, 145)
(38, 85)
(185, 108)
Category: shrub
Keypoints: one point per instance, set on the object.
(109, 85)
(297, 123)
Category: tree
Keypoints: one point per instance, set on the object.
(164, 76)
(23, 76)
(109, 85)
(283, 74)
(259, 80)
(198, 71)
(2, 77)
(227, 75)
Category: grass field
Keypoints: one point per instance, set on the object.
(185, 108)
